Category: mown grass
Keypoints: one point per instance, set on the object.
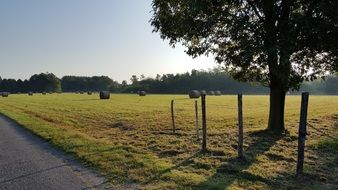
(129, 140)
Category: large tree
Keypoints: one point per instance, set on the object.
(279, 43)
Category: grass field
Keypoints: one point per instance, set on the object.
(129, 140)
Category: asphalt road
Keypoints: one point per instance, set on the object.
(27, 162)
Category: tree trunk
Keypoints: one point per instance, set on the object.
(277, 104)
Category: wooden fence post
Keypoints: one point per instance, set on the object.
(172, 115)
(204, 124)
(196, 115)
(240, 127)
(302, 132)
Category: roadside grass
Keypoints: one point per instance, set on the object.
(129, 140)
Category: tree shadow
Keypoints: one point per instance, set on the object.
(320, 168)
(234, 168)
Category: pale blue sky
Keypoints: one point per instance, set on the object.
(86, 37)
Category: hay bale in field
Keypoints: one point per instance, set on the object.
(142, 93)
(5, 94)
(218, 93)
(81, 92)
(44, 93)
(30, 93)
(203, 92)
(211, 93)
(194, 94)
(89, 93)
(104, 95)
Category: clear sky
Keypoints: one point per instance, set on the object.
(86, 37)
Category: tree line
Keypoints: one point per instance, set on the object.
(215, 79)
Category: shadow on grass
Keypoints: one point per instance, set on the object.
(183, 163)
(320, 169)
(234, 168)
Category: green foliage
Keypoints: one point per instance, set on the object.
(278, 43)
(45, 82)
(200, 80)
(215, 79)
(95, 83)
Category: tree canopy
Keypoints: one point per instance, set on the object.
(256, 40)
(279, 43)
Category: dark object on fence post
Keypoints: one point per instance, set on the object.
(204, 125)
(196, 115)
(240, 127)
(172, 115)
(302, 132)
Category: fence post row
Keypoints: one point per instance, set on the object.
(172, 115)
(302, 132)
(204, 124)
(240, 127)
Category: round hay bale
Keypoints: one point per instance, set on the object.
(81, 92)
(211, 93)
(104, 95)
(89, 93)
(194, 94)
(30, 93)
(44, 93)
(203, 92)
(142, 93)
(4, 94)
(218, 93)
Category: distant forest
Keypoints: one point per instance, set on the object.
(161, 84)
